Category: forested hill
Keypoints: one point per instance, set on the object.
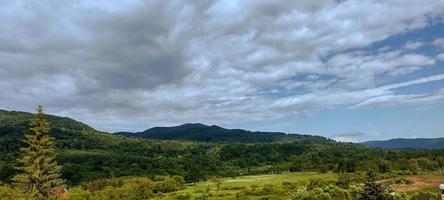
(408, 143)
(86, 154)
(204, 133)
(17, 123)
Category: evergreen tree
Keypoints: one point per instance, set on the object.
(440, 161)
(372, 189)
(40, 174)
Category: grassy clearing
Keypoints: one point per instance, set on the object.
(425, 182)
(229, 187)
(271, 186)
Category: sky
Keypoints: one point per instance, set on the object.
(351, 70)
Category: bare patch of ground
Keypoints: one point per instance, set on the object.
(419, 182)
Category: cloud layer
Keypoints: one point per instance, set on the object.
(148, 63)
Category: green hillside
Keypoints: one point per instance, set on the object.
(204, 133)
(87, 154)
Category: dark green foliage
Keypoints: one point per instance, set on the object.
(6, 172)
(344, 180)
(424, 196)
(403, 181)
(129, 188)
(384, 166)
(440, 164)
(203, 133)
(374, 190)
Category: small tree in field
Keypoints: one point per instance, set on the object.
(40, 174)
(440, 161)
(372, 189)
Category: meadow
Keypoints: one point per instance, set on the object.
(232, 188)
(281, 186)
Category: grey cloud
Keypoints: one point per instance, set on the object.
(167, 62)
(413, 44)
(439, 42)
(351, 134)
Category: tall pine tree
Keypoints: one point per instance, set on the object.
(40, 174)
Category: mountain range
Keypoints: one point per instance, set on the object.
(16, 123)
(407, 143)
(204, 133)
(87, 154)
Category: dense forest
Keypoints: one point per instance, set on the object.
(203, 133)
(89, 157)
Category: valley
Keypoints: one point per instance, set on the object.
(278, 166)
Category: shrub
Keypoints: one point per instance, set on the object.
(129, 188)
(233, 187)
(315, 183)
(168, 185)
(8, 193)
(315, 194)
(183, 197)
(79, 194)
(338, 193)
(424, 196)
(403, 181)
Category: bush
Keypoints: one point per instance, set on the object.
(315, 183)
(103, 183)
(424, 196)
(403, 181)
(315, 194)
(183, 197)
(356, 191)
(7, 193)
(129, 188)
(338, 193)
(233, 187)
(169, 185)
(269, 189)
(289, 185)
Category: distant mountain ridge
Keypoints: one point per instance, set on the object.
(205, 133)
(407, 143)
(14, 124)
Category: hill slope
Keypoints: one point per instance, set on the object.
(86, 154)
(14, 122)
(405, 143)
(204, 133)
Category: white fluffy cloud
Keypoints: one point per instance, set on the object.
(413, 45)
(167, 62)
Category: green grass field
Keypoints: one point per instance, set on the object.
(229, 187)
(261, 186)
